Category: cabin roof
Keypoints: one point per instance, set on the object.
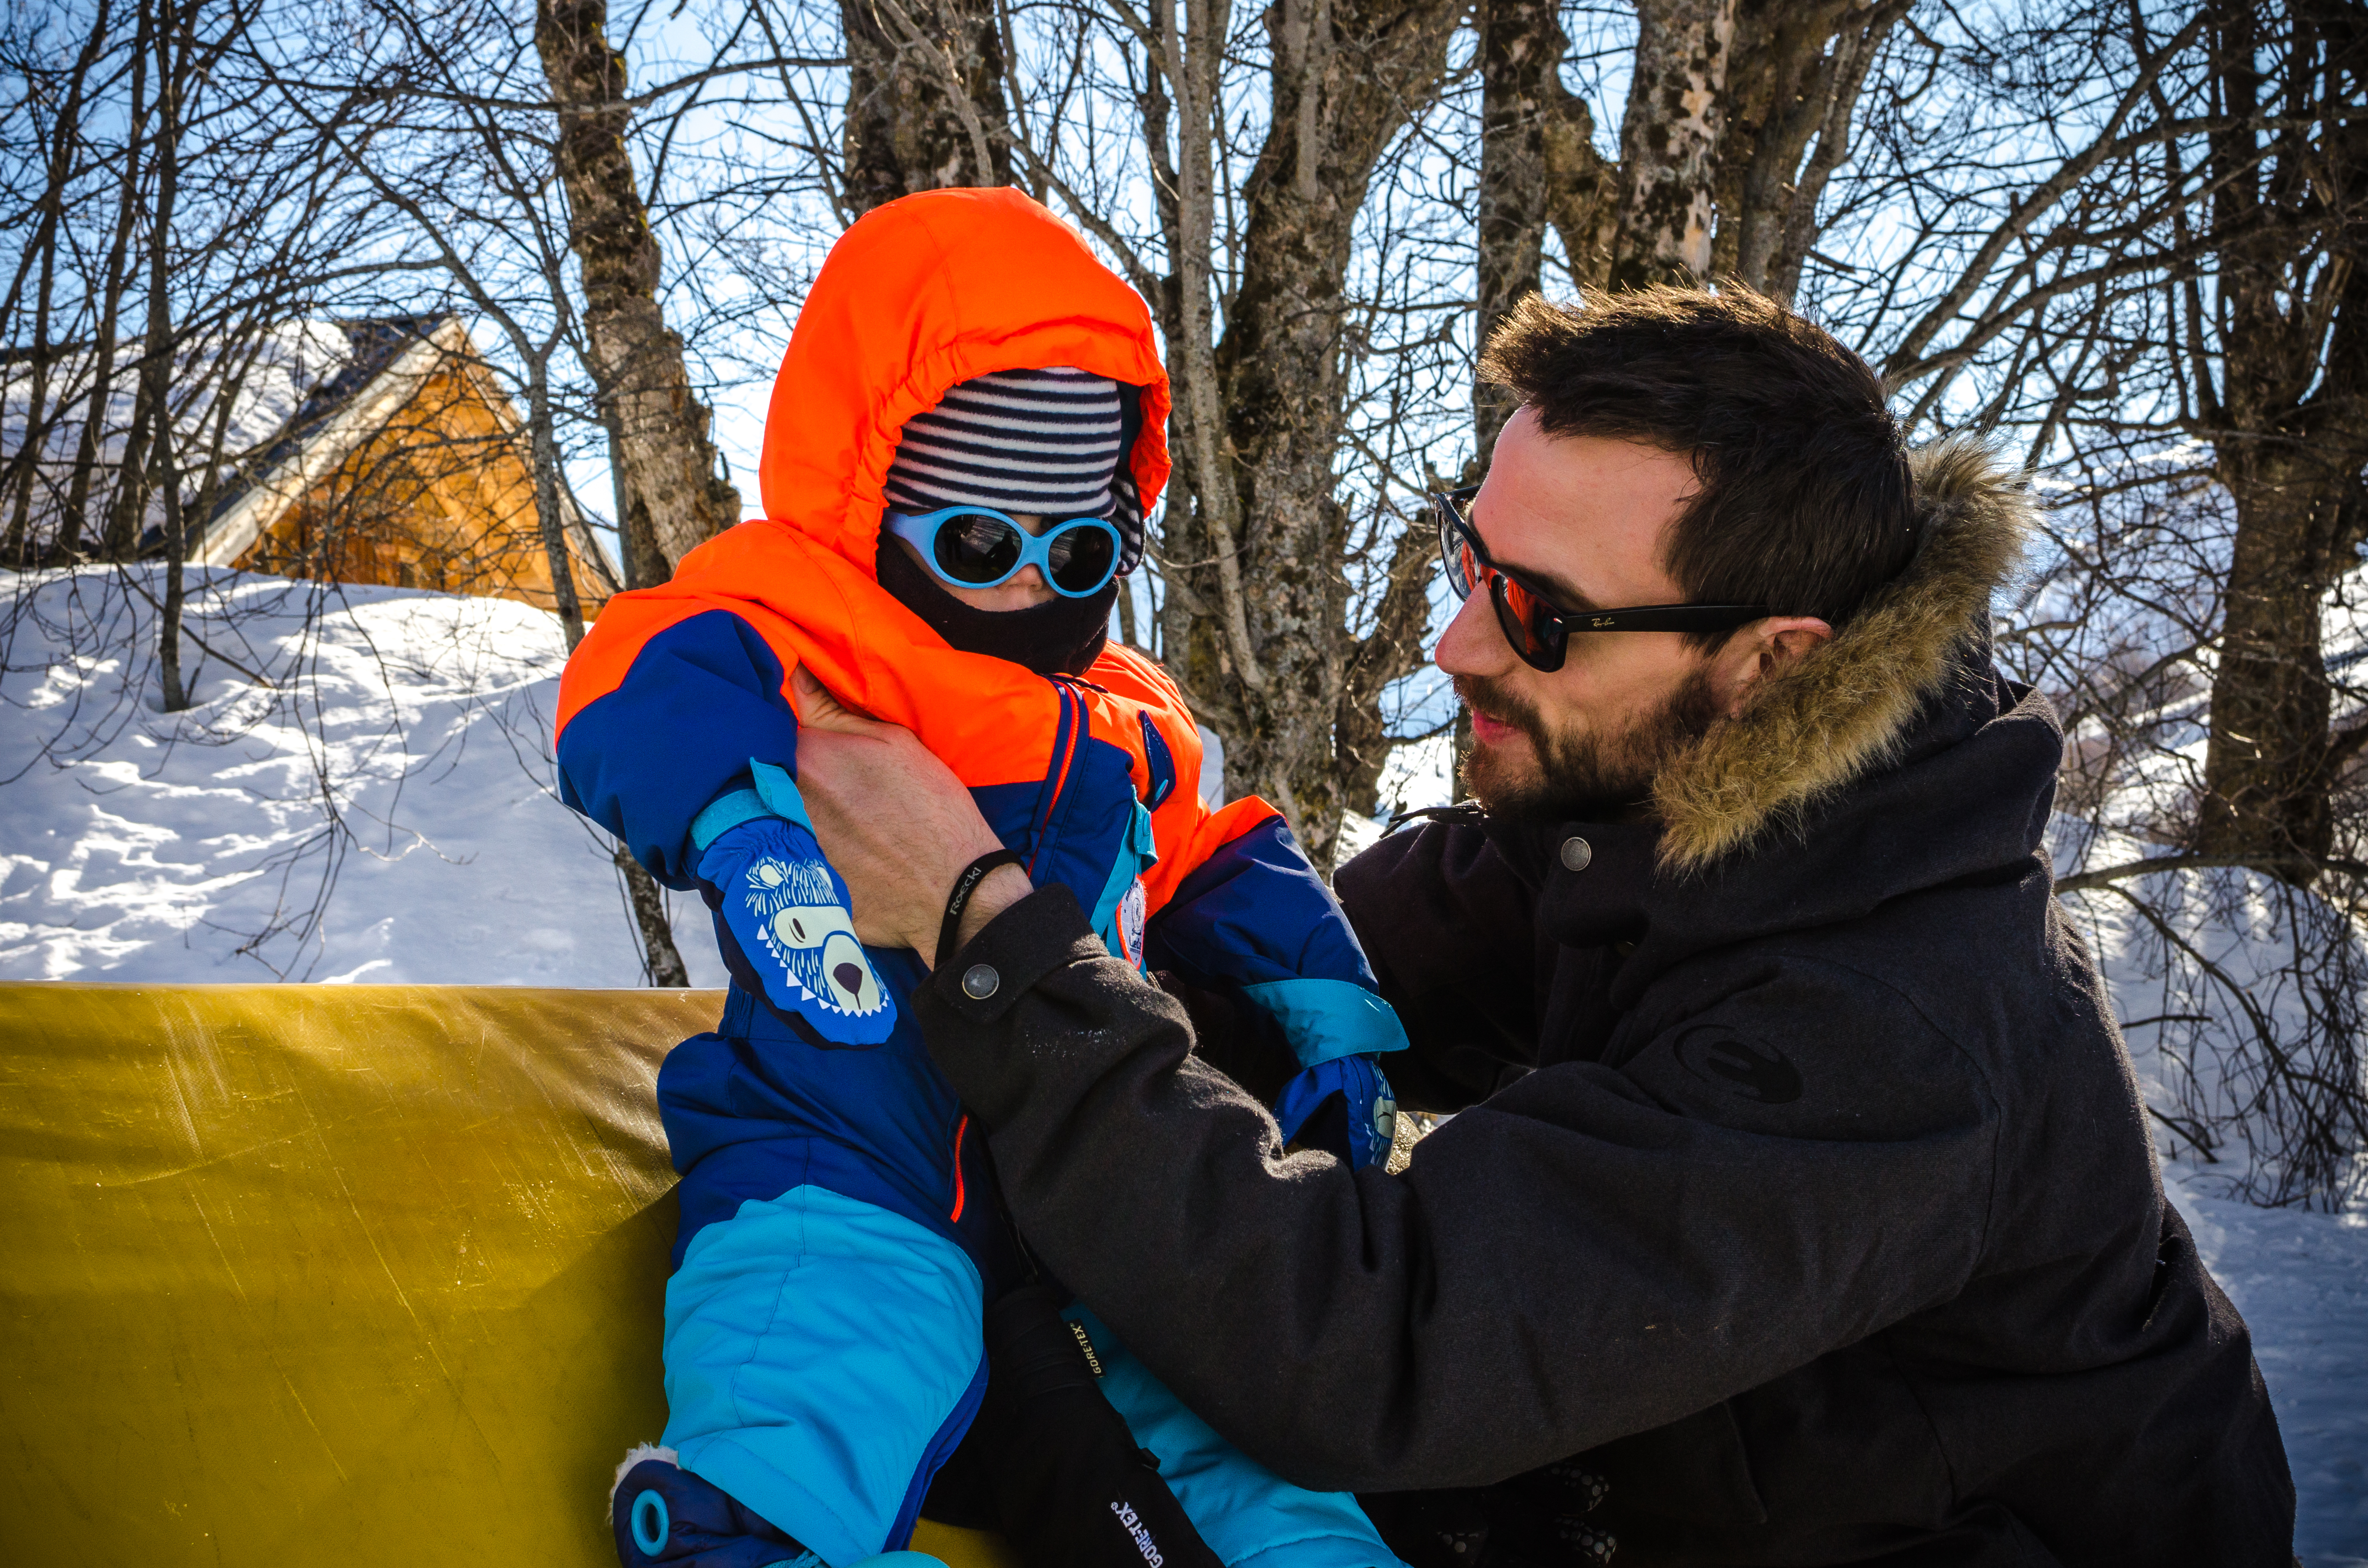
(376, 342)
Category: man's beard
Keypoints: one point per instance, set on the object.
(1590, 776)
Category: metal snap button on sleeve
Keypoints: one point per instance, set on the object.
(1577, 853)
(979, 981)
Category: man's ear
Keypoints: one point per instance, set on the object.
(1759, 650)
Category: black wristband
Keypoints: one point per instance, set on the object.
(965, 885)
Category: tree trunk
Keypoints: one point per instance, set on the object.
(661, 960)
(2264, 793)
(1669, 142)
(1795, 80)
(542, 446)
(1538, 164)
(1393, 648)
(677, 498)
(2290, 423)
(68, 543)
(162, 349)
(644, 563)
(925, 106)
(1258, 634)
(168, 628)
(663, 463)
(1722, 166)
(127, 508)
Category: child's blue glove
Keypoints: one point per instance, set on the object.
(1343, 1100)
(787, 911)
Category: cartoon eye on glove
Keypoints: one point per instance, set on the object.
(788, 912)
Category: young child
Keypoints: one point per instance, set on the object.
(964, 438)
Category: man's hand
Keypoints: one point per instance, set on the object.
(897, 824)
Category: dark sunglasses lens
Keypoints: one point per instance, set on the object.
(1453, 553)
(976, 549)
(1081, 559)
(1467, 570)
(1528, 624)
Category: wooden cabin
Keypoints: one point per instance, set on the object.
(407, 468)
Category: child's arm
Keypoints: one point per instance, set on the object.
(663, 705)
(1252, 915)
(677, 736)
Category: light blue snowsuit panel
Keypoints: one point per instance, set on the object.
(1250, 1517)
(814, 1348)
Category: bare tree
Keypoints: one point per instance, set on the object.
(1258, 627)
(924, 106)
(2088, 242)
(173, 69)
(675, 498)
(671, 496)
(2287, 413)
(1539, 169)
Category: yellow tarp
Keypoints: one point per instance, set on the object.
(339, 1275)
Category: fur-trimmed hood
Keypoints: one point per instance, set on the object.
(1844, 710)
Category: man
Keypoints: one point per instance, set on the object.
(1802, 1207)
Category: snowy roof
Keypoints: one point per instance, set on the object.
(268, 376)
(372, 345)
(302, 397)
(386, 360)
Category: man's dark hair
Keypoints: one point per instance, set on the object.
(1804, 502)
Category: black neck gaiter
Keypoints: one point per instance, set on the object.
(1061, 638)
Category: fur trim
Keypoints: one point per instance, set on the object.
(634, 1456)
(1841, 711)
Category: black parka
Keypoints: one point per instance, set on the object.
(1800, 1180)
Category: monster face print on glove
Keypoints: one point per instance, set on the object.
(787, 911)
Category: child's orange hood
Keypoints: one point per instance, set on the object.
(884, 333)
(889, 327)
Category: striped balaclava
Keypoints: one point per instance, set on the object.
(1048, 442)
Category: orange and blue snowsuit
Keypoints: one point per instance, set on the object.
(839, 1230)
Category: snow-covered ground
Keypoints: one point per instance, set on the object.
(384, 812)
(2301, 1279)
(400, 760)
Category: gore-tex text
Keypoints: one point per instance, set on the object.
(1142, 1541)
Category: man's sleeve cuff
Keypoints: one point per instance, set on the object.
(1013, 952)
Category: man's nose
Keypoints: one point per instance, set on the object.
(1031, 576)
(1474, 644)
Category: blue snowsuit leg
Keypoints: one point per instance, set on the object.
(823, 1326)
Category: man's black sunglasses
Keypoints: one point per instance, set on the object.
(1537, 628)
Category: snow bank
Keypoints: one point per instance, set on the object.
(2301, 1280)
(383, 811)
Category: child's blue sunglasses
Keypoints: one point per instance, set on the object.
(978, 547)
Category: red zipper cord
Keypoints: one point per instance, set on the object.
(960, 1196)
(1060, 774)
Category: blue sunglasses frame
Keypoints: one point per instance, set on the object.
(1035, 550)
